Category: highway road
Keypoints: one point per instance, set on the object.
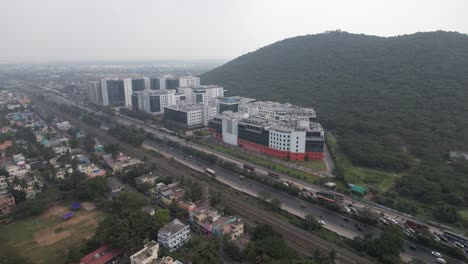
(333, 220)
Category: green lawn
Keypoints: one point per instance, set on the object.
(312, 164)
(20, 238)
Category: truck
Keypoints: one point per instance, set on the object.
(210, 171)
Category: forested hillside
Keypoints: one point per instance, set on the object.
(397, 103)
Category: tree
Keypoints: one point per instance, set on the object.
(275, 204)
(264, 195)
(162, 216)
(91, 188)
(129, 229)
(19, 195)
(311, 223)
(446, 213)
(129, 201)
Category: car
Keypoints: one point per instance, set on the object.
(436, 254)
(458, 244)
(322, 222)
(346, 219)
(412, 247)
(360, 228)
(441, 260)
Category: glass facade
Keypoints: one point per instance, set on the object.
(175, 115)
(228, 107)
(172, 83)
(135, 106)
(155, 103)
(116, 92)
(138, 85)
(154, 84)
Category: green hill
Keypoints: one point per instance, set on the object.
(396, 103)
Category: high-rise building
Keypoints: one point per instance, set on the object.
(113, 92)
(95, 92)
(189, 81)
(138, 84)
(201, 94)
(158, 83)
(172, 83)
(153, 102)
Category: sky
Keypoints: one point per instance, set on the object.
(81, 30)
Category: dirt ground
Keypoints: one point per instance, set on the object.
(54, 211)
(54, 233)
(88, 206)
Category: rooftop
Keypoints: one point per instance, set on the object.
(172, 227)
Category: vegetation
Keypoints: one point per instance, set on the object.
(393, 104)
(386, 248)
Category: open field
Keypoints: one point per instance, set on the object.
(47, 238)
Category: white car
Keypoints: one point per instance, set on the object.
(322, 222)
(441, 260)
(436, 254)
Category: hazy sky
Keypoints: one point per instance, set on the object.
(54, 30)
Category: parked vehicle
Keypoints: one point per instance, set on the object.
(210, 171)
(436, 254)
(412, 247)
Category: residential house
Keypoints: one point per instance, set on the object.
(148, 255)
(18, 170)
(103, 255)
(114, 186)
(64, 126)
(162, 194)
(174, 235)
(7, 203)
(60, 175)
(148, 179)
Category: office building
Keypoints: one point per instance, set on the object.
(158, 83)
(189, 81)
(95, 92)
(153, 101)
(172, 83)
(282, 131)
(190, 115)
(114, 91)
(202, 94)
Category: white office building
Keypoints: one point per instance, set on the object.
(153, 101)
(174, 235)
(189, 81)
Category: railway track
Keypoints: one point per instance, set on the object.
(302, 240)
